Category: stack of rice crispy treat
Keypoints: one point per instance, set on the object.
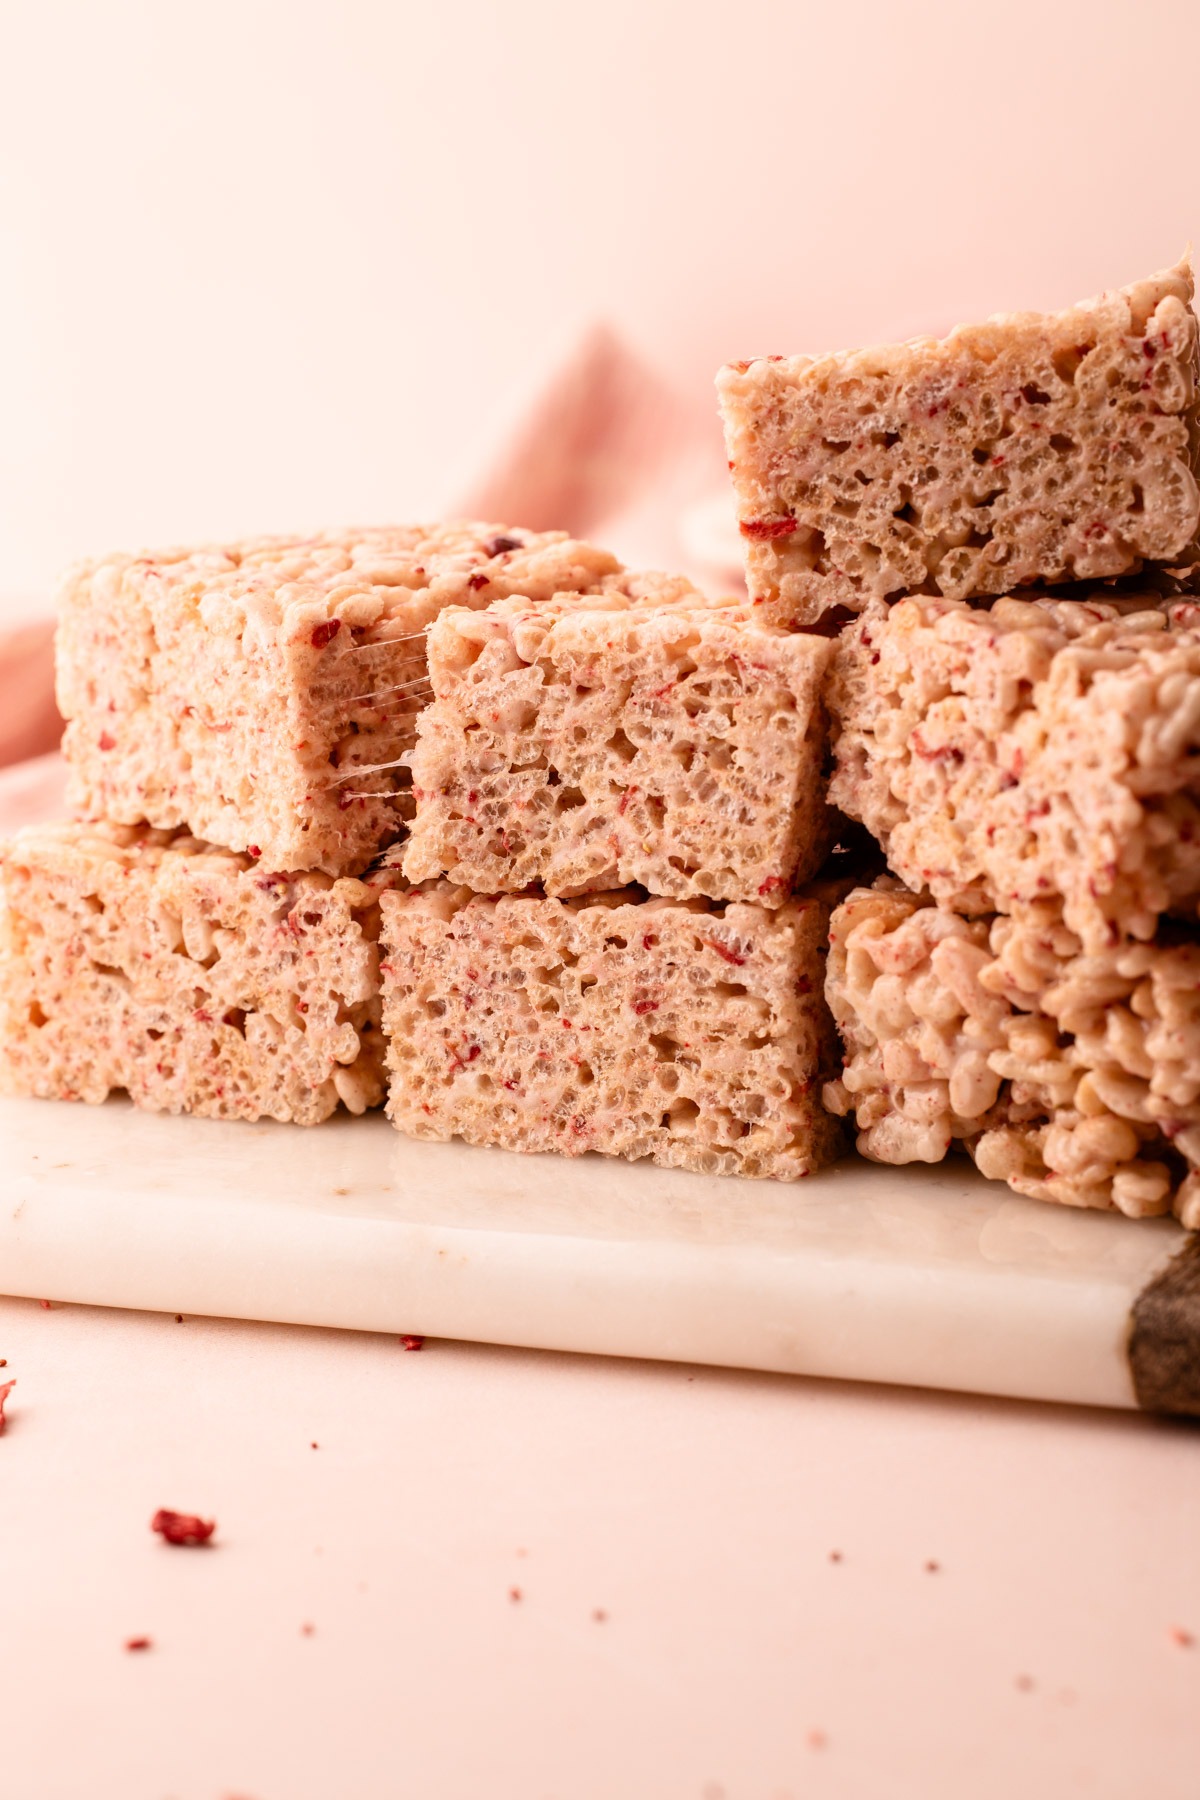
(541, 852)
(1000, 527)
(471, 806)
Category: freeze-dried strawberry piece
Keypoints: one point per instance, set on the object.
(182, 1528)
(325, 633)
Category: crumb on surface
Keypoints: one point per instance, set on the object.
(182, 1528)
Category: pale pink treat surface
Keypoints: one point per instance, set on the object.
(262, 694)
(187, 976)
(1074, 1077)
(1029, 751)
(692, 1034)
(1036, 447)
(680, 747)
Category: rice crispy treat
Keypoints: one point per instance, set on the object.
(262, 694)
(693, 1034)
(583, 749)
(1036, 447)
(1031, 750)
(1072, 1076)
(188, 976)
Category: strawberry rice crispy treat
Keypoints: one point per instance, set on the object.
(1075, 1077)
(188, 976)
(261, 694)
(692, 1034)
(678, 747)
(1033, 750)
(1032, 448)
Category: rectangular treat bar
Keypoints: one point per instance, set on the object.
(1027, 751)
(696, 1035)
(678, 747)
(1032, 448)
(187, 976)
(262, 694)
(1073, 1077)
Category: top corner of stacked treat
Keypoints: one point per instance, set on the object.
(1003, 526)
(544, 847)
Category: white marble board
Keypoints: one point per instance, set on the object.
(927, 1276)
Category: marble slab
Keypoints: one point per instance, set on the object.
(924, 1276)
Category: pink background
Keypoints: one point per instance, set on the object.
(697, 1508)
(269, 266)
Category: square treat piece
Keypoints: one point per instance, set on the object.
(1033, 448)
(681, 748)
(1030, 750)
(135, 959)
(1073, 1077)
(261, 694)
(692, 1034)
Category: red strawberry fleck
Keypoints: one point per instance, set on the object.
(499, 546)
(478, 581)
(641, 1007)
(412, 1341)
(325, 633)
(182, 1528)
(253, 850)
(731, 956)
(514, 1593)
(1178, 1635)
(139, 1643)
(768, 528)
(771, 885)
(107, 742)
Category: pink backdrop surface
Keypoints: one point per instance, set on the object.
(698, 1509)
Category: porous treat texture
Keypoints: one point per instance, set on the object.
(187, 976)
(678, 747)
(263, 694)
(1033, 750)
(1032, 448)
(692, 1034)
(1072, 1076)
